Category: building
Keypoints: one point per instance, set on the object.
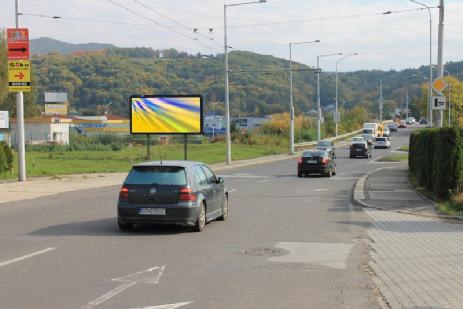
(250, 123)
(43, 130)
(107, 124)
(214, 125)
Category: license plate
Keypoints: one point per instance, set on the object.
(152, 211)
(358, 150)
(311, 161)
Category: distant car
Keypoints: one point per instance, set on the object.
(382, 142)
(172, 192)
(409, 120)
(386, 132)
(328, 146)
(316, 162)
(358, 139)
(393, 127)
(423, 120)
(360, 149)
(402, 124)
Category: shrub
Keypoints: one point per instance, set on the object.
(9, 155)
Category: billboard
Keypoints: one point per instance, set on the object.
(56, 97)
(156, 114)
(4, 120)
(56, 109)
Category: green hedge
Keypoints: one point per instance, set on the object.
(6, 158)
(436, 160)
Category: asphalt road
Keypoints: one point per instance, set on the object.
(289, 243)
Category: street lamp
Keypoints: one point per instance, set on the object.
(291, 106)
(319, 111)
(337, 119)
(430, 120)
(227, 94)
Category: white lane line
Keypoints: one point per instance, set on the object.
(27, 256)
(232, 190)
(321, 190)
(263, 180)
(170, 306)
(108, 295)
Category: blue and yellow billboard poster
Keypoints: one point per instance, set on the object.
(166, 114)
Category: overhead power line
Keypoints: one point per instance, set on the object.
(161, 25)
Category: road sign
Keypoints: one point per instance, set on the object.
(18, 44)
(4, 120)
(19, 76)
(439, 85)
(438, 102)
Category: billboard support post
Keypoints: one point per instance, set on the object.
(185, 147)
(148, 147)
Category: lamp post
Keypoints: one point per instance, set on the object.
(337, 118)
(430, 120)
(291, 105)
(227, 94)
(319, 111)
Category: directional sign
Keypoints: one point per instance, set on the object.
(439, 85)
(18, 44)
(438, 102)
(19, 76)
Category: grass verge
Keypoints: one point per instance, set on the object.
(404, 148)
(394, 157)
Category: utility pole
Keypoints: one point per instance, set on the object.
(381, 100)
(440, 56)
(406, 104)
(319, 110)
(20, 120)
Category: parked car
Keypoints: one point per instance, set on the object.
(393, 127)
(360, 149)
(402, 124)
(172, 192)
(409, 120)
(328, 146)
(316, 162)
(386, 132)
(382, 142)
(423, 120)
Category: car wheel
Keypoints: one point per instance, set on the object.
(224, 215)
(124, 226)
(201, 221)
(334, 172)
(299, 174)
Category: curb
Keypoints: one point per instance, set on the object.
(358, 199)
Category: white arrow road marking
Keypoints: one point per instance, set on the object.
(170, 306)
(149, 276)
(26, 256)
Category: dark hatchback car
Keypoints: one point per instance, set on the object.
(172, 192)
(360, 149)
(316, 162)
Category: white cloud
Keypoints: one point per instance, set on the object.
(383, 41)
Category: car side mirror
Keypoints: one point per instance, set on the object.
(220, 180)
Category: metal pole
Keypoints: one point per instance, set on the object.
(406, 104)
(336, 113)
(319, 114)
(227, 98)
(440, 54)
(291, 106)
(381, 100)
(20, 120)
(185, 147)
(430, 69)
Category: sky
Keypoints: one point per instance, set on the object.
(396, 41)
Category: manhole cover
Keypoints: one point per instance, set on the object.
(263, 252)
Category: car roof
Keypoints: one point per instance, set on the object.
(178, 163)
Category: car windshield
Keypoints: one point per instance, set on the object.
(314, 154)
(358, 139)
(158, 175)
(324, 144)
(367, 131)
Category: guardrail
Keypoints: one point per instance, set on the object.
(339, 137)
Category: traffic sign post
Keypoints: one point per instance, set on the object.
(19, 76)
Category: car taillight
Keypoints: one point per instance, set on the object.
(299, 160)
(124, 194)
(187, 195)
(325, 161)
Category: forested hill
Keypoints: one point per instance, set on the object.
(43, 46)
(94, 79)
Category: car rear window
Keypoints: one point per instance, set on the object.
(381, 139)
(314, 154)
(158, 175)
(359, 146)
